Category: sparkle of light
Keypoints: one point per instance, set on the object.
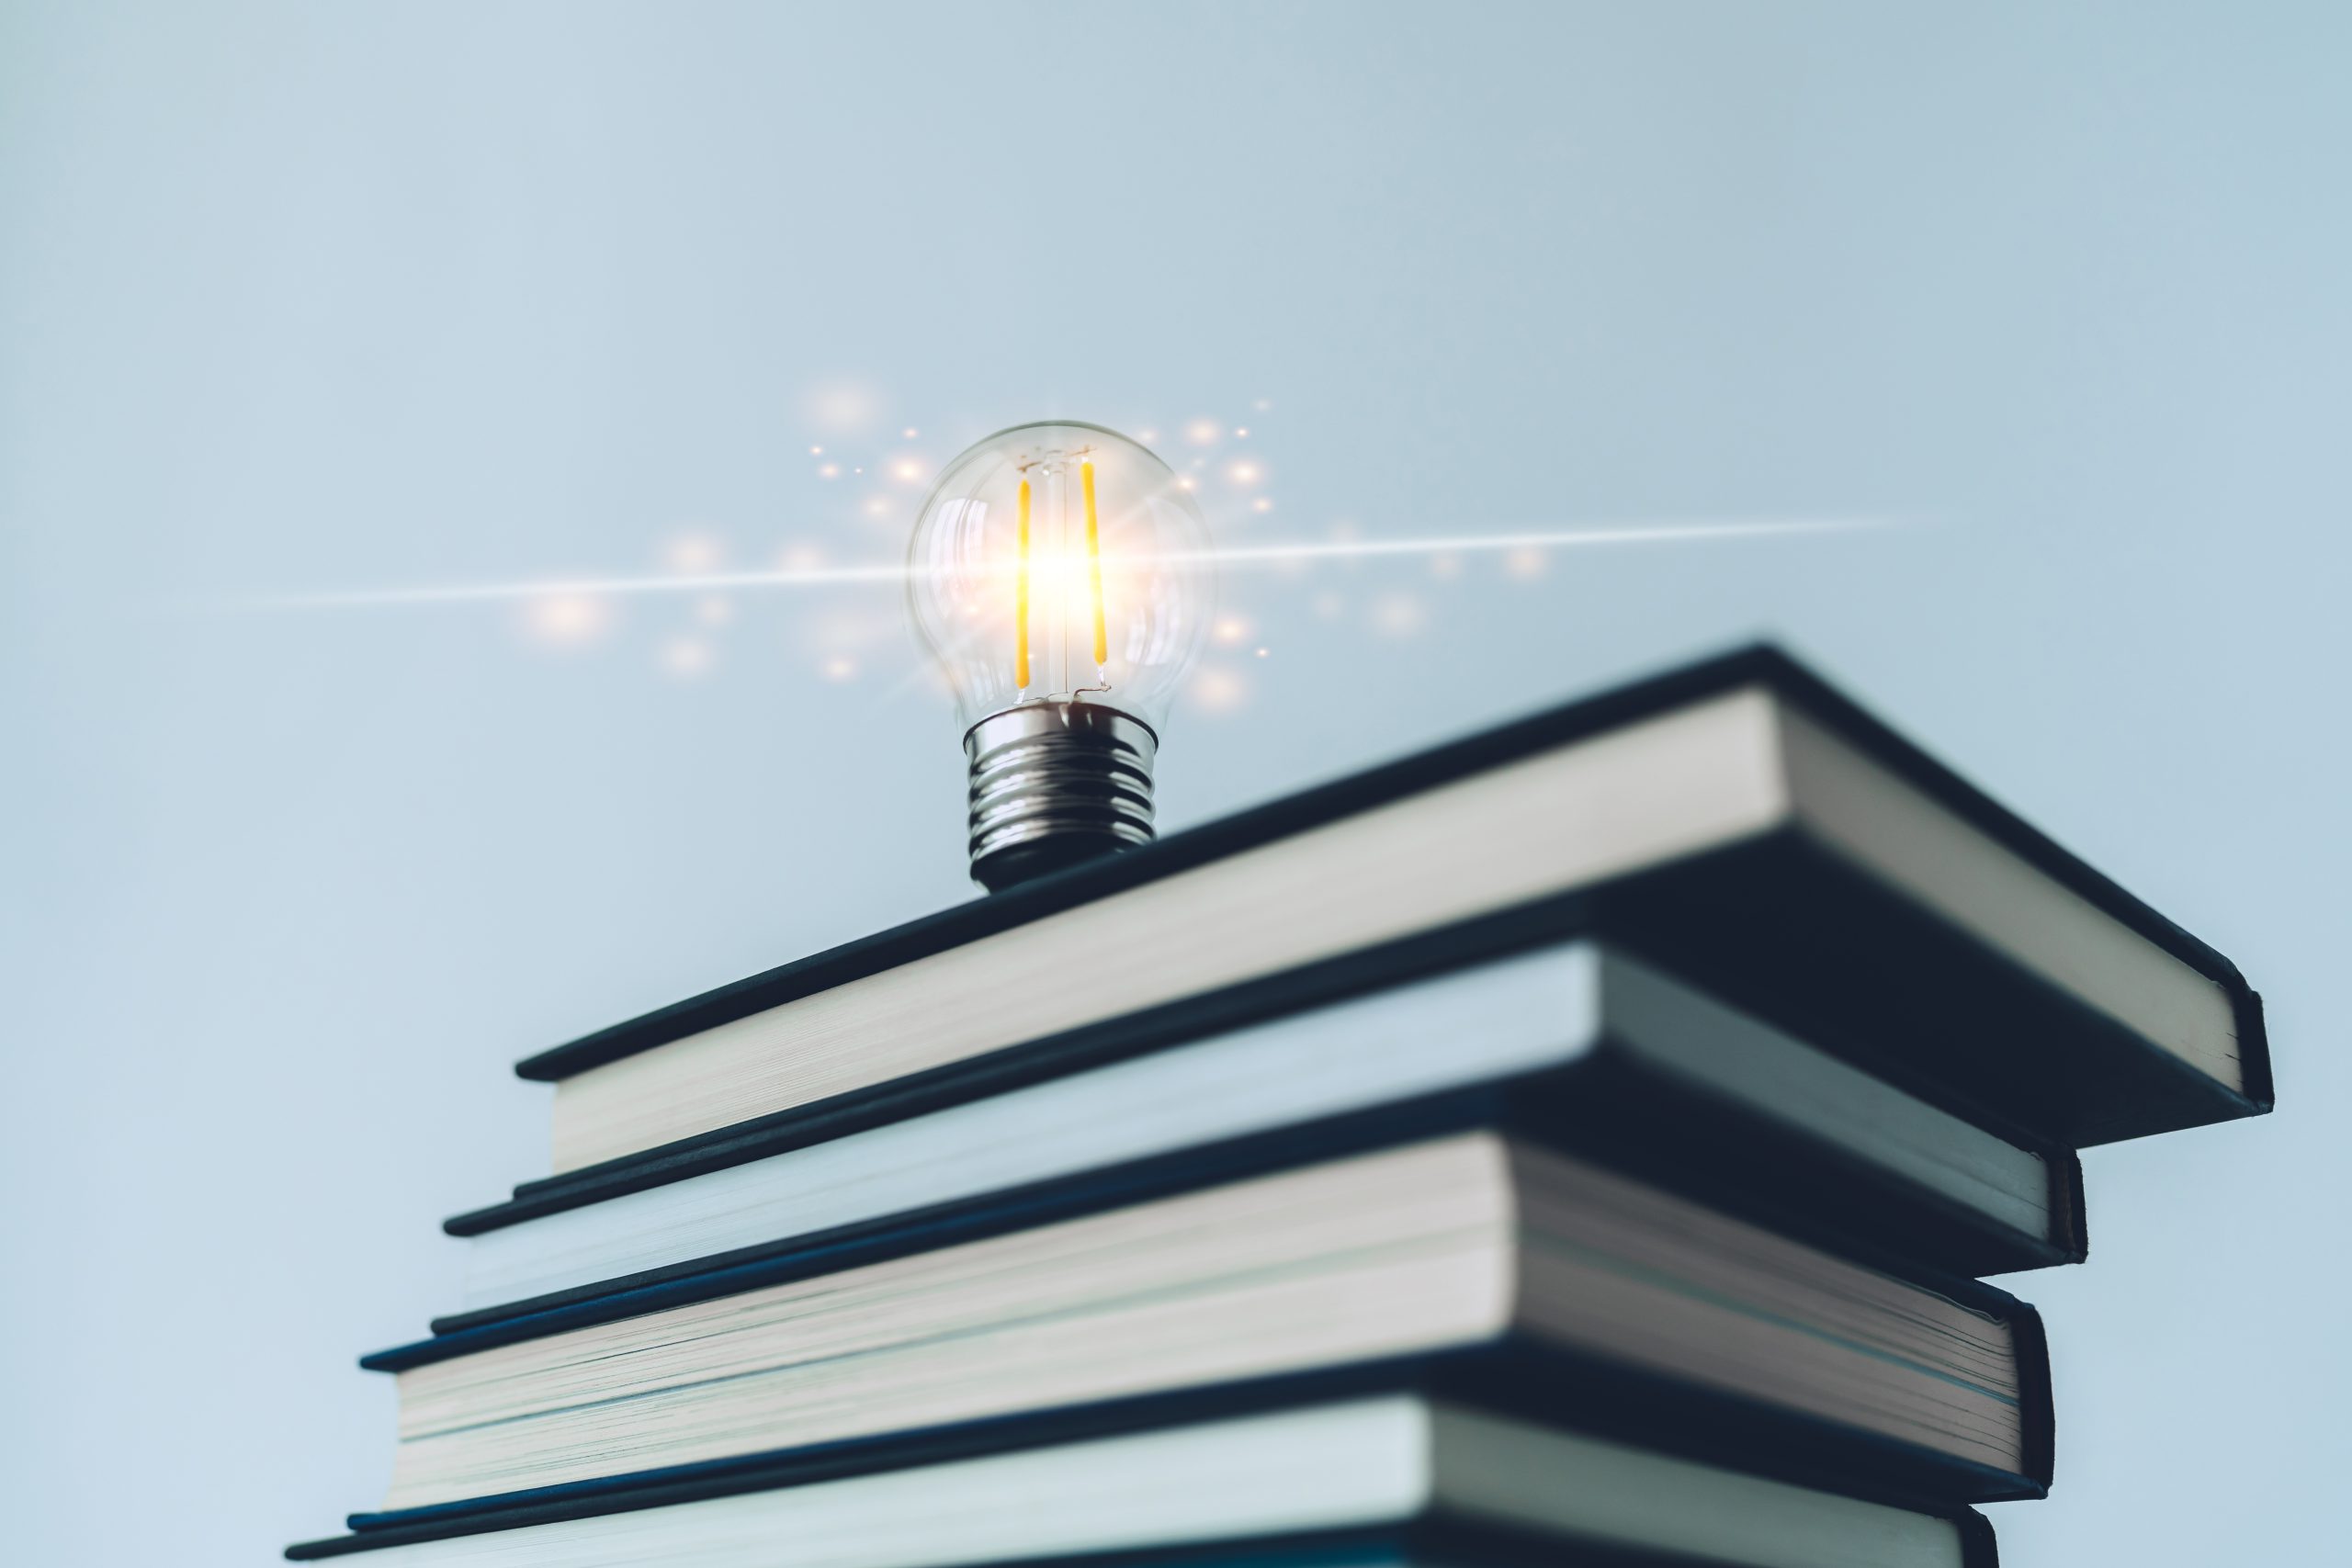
(1345, 543)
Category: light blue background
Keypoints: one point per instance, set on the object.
(305, 298)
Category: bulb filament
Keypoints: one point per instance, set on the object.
(1020, 601)
(1060, 567)
(1094, 574)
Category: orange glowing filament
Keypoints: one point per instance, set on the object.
(1020, 601)
(1094, 570)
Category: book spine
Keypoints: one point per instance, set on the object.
(2038, 1410)
(1977, 1546)
(2070, 1221)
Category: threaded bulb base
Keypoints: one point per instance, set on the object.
(1053, 784)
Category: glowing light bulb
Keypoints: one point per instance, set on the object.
(1061, 576)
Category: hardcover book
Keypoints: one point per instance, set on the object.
(1575, 1045)
(1738, 823)
(1377, 1481)
(1473, 1245)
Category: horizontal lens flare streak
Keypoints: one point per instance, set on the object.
(1229, 557)
(808, 577)
(1565, 538)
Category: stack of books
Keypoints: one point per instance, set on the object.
(1580, 1143)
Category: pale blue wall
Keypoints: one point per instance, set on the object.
(343, 295)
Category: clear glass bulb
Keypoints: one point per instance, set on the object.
(1114, 600)
(1061, 575)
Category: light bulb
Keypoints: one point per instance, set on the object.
(1061, 577)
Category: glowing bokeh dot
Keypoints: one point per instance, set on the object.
(567, 620)
(1398, 615)
(1218, 691)
(693, 553)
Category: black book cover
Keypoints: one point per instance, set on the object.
(1512, 1377)
(1435, 1538)
(1608, 1107)
(1987, 1249)
(1545, 1381)
(1777, 925)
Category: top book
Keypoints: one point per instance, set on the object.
(1737, 822)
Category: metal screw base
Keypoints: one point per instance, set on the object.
(1055, 784)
